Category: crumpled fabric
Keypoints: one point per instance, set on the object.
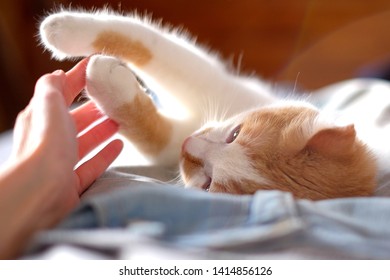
(266, 224)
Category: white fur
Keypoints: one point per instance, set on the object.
(110, 83)
(184, 76)
(181, 69)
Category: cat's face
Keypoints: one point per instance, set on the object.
(284, 147)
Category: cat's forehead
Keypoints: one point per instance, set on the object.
(273, 126)
(276, 115)
(281, 114)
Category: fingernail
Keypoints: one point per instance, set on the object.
(58, 72)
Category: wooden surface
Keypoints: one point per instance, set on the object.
(311, 42)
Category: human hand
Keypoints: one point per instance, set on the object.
(53, 140)
(44, 178)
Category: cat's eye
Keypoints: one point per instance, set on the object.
(233, 134)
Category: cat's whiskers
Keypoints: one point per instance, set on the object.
(212, 111)
(295, 83)
(176, 180)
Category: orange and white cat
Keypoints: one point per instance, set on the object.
(255, 140)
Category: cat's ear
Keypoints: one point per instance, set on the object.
(333, 141)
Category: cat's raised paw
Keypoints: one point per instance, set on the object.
(110, 83)
(67, 34)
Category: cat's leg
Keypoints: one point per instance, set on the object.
(193, 76)
(113, 86)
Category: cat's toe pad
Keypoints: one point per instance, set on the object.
(110, 82)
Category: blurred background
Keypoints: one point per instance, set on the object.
(309, 42)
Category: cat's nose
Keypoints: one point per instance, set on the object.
(195, 146)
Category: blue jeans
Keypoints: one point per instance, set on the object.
(267, 224)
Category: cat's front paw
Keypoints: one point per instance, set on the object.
(110, 83)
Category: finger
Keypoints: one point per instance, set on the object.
(20, 131)
(48, 103)
(96, 136)
(49, 83)
(93, 168)
(85, 115)
(75, 81)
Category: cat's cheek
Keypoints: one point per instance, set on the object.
(189, 167)
(217, 188)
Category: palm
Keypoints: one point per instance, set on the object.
(44, 180)
(61, 138)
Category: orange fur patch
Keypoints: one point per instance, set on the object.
(331, 163)
(143, 125)
(116, 44)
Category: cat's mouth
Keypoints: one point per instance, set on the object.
(207, 184)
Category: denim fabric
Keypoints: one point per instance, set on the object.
(269, 223)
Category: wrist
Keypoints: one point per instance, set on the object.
(25, 204)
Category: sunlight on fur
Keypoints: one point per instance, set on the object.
(227, 132)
